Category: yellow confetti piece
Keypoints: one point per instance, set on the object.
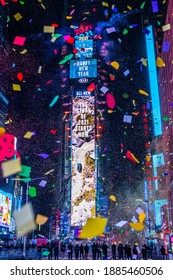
(68, 17)
(11, 167)
(48, 29)
(93, 227)
(160, 62)
(43, 6)
(41, 220)
(17, 16)
(112, 197)
(16, 87)
(166, 27)
(28, 135)
(144, 62)
(142, 217)
(24, 51)
(137, 226)
(2, 131)
(115, 64)
(104, 4)
(50, 171)
(129, 7)
(141, 91)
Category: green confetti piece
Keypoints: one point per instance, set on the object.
(66, 58)
(22, 3)
(143, 5)
(165, 119)
(26, 170)
(32, 191)
(57, 35)
(54, 101)
(125, 31)
(46, 253)
(39, 89)
(125, 95)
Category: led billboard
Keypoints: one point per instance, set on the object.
(83, 68)
(5, 208)
(84, 48)
(83, 188)
(154, 90)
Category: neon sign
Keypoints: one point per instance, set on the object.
(84, 32)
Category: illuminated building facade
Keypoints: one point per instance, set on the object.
(80, 123)
(162, 145)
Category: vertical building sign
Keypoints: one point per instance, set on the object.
(83, 190)
(154, 90)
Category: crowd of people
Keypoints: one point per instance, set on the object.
(98, 251)
(83, 250)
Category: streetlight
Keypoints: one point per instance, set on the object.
(27, 198)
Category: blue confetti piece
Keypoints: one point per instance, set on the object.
(54, 101)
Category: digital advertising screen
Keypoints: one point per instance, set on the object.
(83, 187)
(5, 208)
(86, 68)
(84, 48)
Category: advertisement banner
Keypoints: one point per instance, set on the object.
(5, 208)
(83, 68)
(83, 189)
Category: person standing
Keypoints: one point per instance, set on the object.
(56, 251)
(81, 251)
(105, 250)
(163, 251)
(144, 252)
(135, 252)
(125, 251)
(63, 247)
(120, 251)
(139, 252)
(86, 250)
(70, 251)
(50, 249)
(76, 251)
(39, 251)
(94, 249)
(113, 251)
(129, 252)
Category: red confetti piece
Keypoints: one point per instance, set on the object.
(53, 131)
(54, 24)
(20, 76)
(75, 51)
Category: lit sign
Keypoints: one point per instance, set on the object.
(83, 68)
(158, 160)
(148, 171)
(83, 190)
(5, 208)
(85, 48)
(158, 211)
(153, 82)
(82, 29)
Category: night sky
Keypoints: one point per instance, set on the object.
(29, 108)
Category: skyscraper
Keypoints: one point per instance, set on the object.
(163, 163)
